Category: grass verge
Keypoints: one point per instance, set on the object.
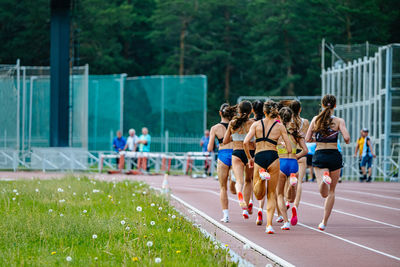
(80, 222)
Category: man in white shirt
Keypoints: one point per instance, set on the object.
(131, 145)
(131, 142)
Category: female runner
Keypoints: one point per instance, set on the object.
(302, 125)
(258, 111)
(236, 132)
(288, 164)
(266, 160)
(327, 161)
(224, 155)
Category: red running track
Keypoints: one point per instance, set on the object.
(363, 230)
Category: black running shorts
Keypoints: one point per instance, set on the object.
(327, 159)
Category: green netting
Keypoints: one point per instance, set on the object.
(104, 110)
(176, 104)
(8, 107)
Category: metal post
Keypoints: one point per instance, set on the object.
(166, 140)
(18, 100)
(23, 106)
(323, 55)
(85, 130)
(121, 100)
(30, 111)
(96, 101)
(388, 111)
(205, 104)
(162, 111)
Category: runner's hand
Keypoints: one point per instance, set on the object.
(251, 163)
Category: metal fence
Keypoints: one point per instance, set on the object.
(368, 95)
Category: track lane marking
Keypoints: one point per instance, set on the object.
(369, 194)
(323, 232)
(356, 201)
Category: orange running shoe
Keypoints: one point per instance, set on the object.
(242, 204)
(293, 179)
(250, 207)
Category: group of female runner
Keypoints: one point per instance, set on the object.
(265, 146)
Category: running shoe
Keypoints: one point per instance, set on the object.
(280, 219)
(321, 227)
(225, 219)
(259, 218)
(326, 178)
(287, 205)
(242, 203)
(264, 175)
(245, 214)
(293, 220)
(269, 230)
(285, 226)
(250, 207)
(293, 179)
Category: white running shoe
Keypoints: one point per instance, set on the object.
(264, 175)
(285, 226)
(280, 219)
(269, 230)
(326, 178)
(321, 227)
(225, 219)
(245, 214)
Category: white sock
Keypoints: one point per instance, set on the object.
(260, 209)
(226, 213)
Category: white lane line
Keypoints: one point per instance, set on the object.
(356, 201)
(369, 194)
(256, 247)
(334, 236)
(352, 215)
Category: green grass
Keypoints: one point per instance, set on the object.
(33, 231)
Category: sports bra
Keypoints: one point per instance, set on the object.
(240, 137)
(332, 136)
(282, 148)
(266, 138)
(221, 140)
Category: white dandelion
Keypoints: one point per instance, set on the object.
(160, 208)
(157, 260)
(169, 230)
(84, 211)
(69, 258)
(74, 193)
(50, 210)
(17, 194)
(138, 208)
(173, 216)
(152, 204)
(127, 228)
(37, 190)
(94, 236)
(152, 223)
(69, 187)
(88, 199)
(149, 244)
(61, 200)
(61, 215)
(15, 191)
(144, 192)
(96, 191)
(216, 247)
(60, 190)
(133, 194)
(14, 198)
(123, 222)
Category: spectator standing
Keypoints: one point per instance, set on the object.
(359, 149)
(119, 143)
(204, 141)
(132, 141)
(144, 140)
(204, 144)
(367, 156)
